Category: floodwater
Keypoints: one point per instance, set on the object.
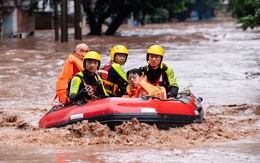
(218, 59)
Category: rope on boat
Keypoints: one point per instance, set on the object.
(154, 97)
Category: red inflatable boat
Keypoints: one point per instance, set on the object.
(113, 111)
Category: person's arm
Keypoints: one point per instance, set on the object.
(173, 91)
(120, 71)
(143, 69)
(76, 62)
(102, 88)
(74, 93)
(174, 87)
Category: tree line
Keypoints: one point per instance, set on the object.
(98, 11)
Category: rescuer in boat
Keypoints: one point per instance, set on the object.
(72, 65)
(137, 87)
(87, 85)
(158, 73)
(113, 75)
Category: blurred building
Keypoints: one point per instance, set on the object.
(16, 21)
(19, 18)
(17, 24)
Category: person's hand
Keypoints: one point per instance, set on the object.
(83, 91)
(89, 90)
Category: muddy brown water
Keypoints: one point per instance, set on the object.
(220, 61)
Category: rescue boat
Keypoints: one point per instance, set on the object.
(113, 111)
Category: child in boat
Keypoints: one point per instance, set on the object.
(72, 65)
(112, 73)
(138, 87)
(158, 73)
(87, 85)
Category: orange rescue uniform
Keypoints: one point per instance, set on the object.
(146, 89)
(72, 66)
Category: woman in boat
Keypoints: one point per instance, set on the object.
(158, 73)
(72, 65)
(87, 85)
(137, 87)
(112, 74)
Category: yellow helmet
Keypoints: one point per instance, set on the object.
(118, 49)
(91, 55)
(155, 49)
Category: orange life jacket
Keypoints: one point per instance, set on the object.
(72, 66)
(145, 88)
(103, 73)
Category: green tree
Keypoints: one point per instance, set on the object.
(247, 12)
(118, 10)
(160, 16)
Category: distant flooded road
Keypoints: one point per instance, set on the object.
(219, 60)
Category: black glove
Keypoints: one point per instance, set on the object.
(80, 95)
(173, 91)
(86, 93)
(83, 92)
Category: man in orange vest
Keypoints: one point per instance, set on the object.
(72, 65)
(138, 87)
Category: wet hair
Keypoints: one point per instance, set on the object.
(134, 71)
